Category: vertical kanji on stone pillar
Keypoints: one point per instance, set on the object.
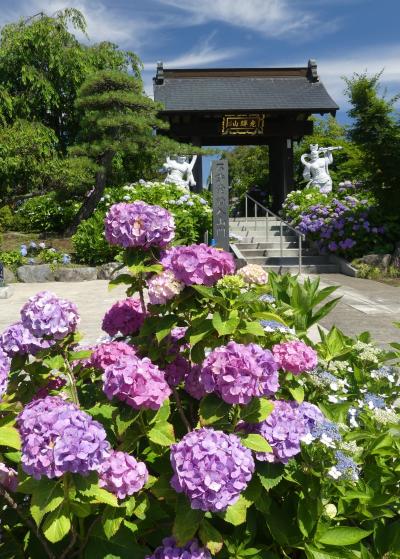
(220, 190)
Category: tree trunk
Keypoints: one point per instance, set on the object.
(90, 203)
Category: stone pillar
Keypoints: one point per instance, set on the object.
(280, 170)
(220, 191)
(198, 168)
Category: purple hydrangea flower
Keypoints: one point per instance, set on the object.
(211, 468)
(178, 368)
(138, 382)
(238, 372)
(5, 365)
(193, 385)
(295, 357)
(109, 353)
(18, 340)
(198, 264)
(125, 316)
(170, 550)
(139, 225)
(163, 287)
(58, 437)
(285, 428)
(122, 475)
(8, 478)
(46, 315)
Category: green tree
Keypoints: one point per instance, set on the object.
(27, 150)
(118, 120)
(376, 130)
(42, 66)
(348, 163)
(248, 169)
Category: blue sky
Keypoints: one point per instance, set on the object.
(344, 36)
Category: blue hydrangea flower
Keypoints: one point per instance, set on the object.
(267, 298)
(345, 468)
(327, 433)
(374, 401)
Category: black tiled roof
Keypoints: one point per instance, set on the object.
(214, 92)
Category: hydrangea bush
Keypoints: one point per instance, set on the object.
(207, 425)
(344, 222)
(191, 213)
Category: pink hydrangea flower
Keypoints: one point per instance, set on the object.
(198, 264)
(8, 478)
(125, 316)
(253, 274)
(138, 382)
(193, 385)
(163, 287)
(109, 353)
(295, 357)
(122, 475)
(139, 225)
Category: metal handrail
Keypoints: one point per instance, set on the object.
(282, 223)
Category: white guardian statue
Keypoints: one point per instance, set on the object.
(180, 171)
(316, 168)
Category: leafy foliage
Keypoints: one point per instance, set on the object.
(191, 213)
(45, 213)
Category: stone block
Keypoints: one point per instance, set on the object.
(379, 260)
(6, 292)
(84, 273)
(106, 271)
(39, 273)
(9, 276)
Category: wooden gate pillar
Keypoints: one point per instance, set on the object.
(280, 170)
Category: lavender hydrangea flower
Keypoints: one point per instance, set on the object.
(170, 550)
(122, 475)
(211, 468)
(163, 287)
(55, 383)
(5, 364)
(110, 353)
(124, 316)
(46, 315)
(18, 340)
(198, 264)
(238, 372)
(138, 382)
(295, 357)
(345, 468)
(253, 274)
(193, 385)
(58, 437)
(139, 225)
(8, 478)
(275, 326)
(178, 368)
(285, 428)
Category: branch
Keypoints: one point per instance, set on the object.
(180, 410)
(10, 501)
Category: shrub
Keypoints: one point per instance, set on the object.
(344, 222)
(6, 218)
(365, 271)
(191, 212)
(90, 245)
(45, 213)
(113, 462)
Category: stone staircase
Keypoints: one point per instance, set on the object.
(259, 241)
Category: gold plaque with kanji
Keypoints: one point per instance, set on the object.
(250, 125)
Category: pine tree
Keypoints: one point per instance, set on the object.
(118, 120)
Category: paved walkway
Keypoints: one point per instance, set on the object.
(365, 305)
(91, 297)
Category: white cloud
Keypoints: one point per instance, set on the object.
(273, 18)
(372, 60)
(104, 23)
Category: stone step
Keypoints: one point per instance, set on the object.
(271, 252)
(305, 269)
(286, 260)
(273, 237)
(270, 227)
(265, 245)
